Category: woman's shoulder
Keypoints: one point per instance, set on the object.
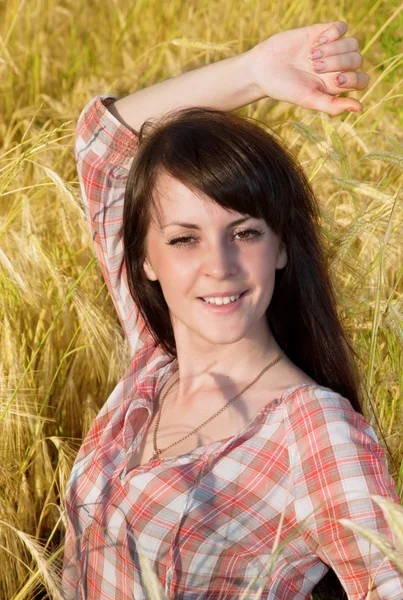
(302, 392)
(319, 403)
(312, 396)
(319, 417)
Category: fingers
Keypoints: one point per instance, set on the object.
(331, 105)
(345, 66)
(350, 44)
(351, 80)
(335, 31)
(339, 56)
(341, 62)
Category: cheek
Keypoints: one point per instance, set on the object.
(263, 263)
(263, 272)
(176, 271)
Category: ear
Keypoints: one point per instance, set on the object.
(282, 258)
(149, 271)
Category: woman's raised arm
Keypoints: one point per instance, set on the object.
(279, 67)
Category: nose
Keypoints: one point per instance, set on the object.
(220, 260)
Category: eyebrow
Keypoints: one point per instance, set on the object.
(194, 226)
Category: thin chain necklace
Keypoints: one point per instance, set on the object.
(157, 451)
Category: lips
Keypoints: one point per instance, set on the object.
(241, 295)
(224, 295)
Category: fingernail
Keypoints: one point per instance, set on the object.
(340, 79)
(319, 65)
(316, 54)
(322, 40)
(353, 110)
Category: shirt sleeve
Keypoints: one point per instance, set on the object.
(336, 464)
(104, 150)
(71, 573)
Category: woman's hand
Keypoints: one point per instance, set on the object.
(283, 69)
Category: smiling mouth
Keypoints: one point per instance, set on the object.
(239, 297)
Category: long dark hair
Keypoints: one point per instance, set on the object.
(242, 167)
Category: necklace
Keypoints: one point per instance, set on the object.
(157, 451)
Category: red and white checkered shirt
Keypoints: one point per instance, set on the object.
(208, 519)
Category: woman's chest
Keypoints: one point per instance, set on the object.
(226, 518)
(176, 435)
(220, 500)
(182, 430)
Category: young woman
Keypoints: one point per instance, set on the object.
(239, 417)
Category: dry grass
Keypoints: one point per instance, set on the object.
(62, 350)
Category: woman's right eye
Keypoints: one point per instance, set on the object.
(182, 241)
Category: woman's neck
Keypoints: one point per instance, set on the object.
(229, 368)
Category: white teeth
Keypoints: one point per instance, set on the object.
(219, 301)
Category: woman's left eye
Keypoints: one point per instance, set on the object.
(254, 231)
(184, 241)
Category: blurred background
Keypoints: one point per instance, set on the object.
(62, 348)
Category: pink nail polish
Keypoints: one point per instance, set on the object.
(341, 79)
(319, 65)
(316, 54)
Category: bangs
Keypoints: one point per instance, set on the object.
(241, 168)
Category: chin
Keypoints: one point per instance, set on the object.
(222, 338)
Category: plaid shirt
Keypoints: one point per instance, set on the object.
(208, 519)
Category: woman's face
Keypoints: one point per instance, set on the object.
(211, 258)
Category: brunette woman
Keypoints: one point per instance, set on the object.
(239, 419)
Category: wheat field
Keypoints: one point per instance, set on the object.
(62, 348)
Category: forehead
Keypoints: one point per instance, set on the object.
(174, 201)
